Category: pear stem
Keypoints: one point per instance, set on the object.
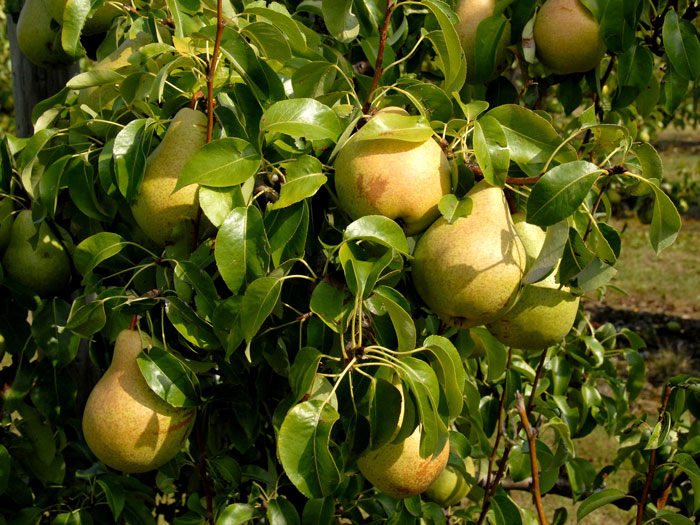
(532, 442)
(652, 460)
(134, 322)
(378, 70)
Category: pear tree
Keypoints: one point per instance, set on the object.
(325, 261)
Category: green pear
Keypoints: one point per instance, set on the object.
(398, 179)
(6, 219)
(471, 13)
(125, 424)
(398, 470)
(568, 37)
(39, 40)
(451, 486)
(469, 271)
(544, 312)
(155, 209)
(43, 267)
(99, 22)
(100, 97)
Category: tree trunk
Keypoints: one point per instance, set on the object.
(32, 84)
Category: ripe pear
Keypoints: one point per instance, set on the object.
(397, 469)
(43, 267)
(471, 13)
(451, 486)
(6, 219)
(38, 38)
(155, 209)
(544, 312)
(568, 37)
(100, 97)
(398, 179)
(126, 425)
(469, 271)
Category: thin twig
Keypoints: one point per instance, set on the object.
(134, 322)
(499, 435)
(378, 69)
(515, 181)
(603, 189)
(211, 70)
(668, 485)
(652, 460)
(538, 373)
(536, 494)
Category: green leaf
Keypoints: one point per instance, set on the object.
(327, 302)
(81, 187)
(259, 300)
(96, 77)
(303, 447)
(400, 318)
(491, 150)
(87, 319)
(671, 517)
(131, 147)
(340, 20)
(237, 514)
(278, 16)
(303, 371)
(550, 254)
(269, 39)
(75, 13)
(690, 467)
(225, 162)
(115, 494)
(446, 44)
(665, 221)
(681, 44)
(169, 377)
(450, 371)
(96, 249)
(560, 191)
(5, 466)
(319, 511)
(302, 117)
(395, 126)
(190, 325)
(241, 248)
(488, 34)
(384, 411)
(304, 177)
(659, 434)
(652, 168)
(598, 500)
(453, 208)
(636, 374)
(315, 79)
(49, 333)
(379, 229)
(280, 511)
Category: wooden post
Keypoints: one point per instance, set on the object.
(32, 84)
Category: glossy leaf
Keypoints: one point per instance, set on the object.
(453, 208)
(169, 377)
(400, 318)
(225, 162)
(379, 229)
(96, 249)
(304, 177)
(302, 117)
(491, 150)
(259, 300)
(682, 46)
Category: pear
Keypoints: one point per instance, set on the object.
(39, 40)
(398, 179)
(568, 37)
(155, 209)
(100, 97)
(6, 219)
(451, 486)
(469, 271)
(471, 13)
(398, 470)
(544, 312)
(125, 424)
(43, 267)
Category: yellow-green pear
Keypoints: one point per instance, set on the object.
(6, 219)
(471, 13)
(451, 486)
(399, 179)
(101, 96)
(568, 37)
(468, 272)
(398, 470)
(43, 267)
(155, 209)
(39, 40)
(544, 312)
(125, 424)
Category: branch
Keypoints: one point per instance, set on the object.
(652, 460)
(536, 494)
(491, 487)
(211, 70)
(378, 69)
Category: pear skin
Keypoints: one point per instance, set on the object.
(398, 179)
(451, 486)
(468, 272)
(39, 41)
(568, 37)
(125, 424)
(157, 211)
(544, 312)
(44, 268)
(471, 13)
(6, 220)
(398, 470)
